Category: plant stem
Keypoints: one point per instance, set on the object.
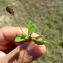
(9, 9)
(17, 22)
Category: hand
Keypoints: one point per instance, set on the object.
(11, 52)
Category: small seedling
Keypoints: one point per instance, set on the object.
(31, 30)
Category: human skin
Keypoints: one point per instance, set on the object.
(11, 52)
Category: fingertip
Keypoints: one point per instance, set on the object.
(42, 48)
(34, 35)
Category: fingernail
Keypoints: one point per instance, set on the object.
(2, 54)
(34, 35)
(36, 51)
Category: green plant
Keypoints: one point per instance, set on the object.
(31, 29)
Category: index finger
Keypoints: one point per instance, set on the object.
(8, 34)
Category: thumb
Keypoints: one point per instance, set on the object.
(24, 53)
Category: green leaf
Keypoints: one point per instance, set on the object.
(31, 28)
(39, 42)
(61, 44)
(21, 38)
(40, 36)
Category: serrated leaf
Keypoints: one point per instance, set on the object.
(31, 28)
(39, 42)
(21, 38)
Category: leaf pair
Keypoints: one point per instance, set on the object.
(31, 29)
